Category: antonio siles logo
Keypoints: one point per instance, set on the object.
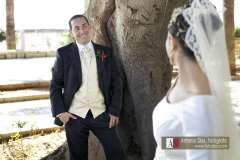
(172, 142)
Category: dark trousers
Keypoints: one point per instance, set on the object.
(77, 132)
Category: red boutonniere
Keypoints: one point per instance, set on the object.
(101, 54)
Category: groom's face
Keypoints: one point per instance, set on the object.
(81, 30)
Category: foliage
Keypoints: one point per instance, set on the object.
(237, 57)
(2, 36)
(48, 42)
(235, 105)
(235, 108)
(237, 32)
(67, 38)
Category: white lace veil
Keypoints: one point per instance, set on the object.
(206, 38)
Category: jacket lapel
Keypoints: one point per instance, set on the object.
(74, 54)
(100, 67)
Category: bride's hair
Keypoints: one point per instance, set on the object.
(178, 27)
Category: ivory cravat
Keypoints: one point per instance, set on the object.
(87, 56)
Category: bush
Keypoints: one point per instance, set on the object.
(2, 36)
(67, 38)
(237, 32)
(237, 57)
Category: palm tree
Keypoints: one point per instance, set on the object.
(10, 33)
(228, 17)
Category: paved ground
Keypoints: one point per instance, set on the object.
(38, 69)
(25, 70)
(37, 114)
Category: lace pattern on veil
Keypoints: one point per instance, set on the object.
(197, 9)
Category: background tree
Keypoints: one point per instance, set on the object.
(237, 33)
(10, 33)
(228, 17)
(2, 36)
(136, 31)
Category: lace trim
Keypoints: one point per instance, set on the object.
(191, 15)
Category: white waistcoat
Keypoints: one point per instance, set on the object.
(89, 95)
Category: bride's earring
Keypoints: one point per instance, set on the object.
(171, 57)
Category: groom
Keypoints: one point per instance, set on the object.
(86, 93)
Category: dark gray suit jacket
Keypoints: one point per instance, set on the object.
(67, 78)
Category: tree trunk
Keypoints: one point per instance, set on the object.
(136, 31)
(95, 151)
(10, 34)
(228, 17)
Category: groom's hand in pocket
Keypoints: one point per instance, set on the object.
(113, 121)
(64, 117)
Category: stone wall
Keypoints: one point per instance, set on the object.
(13, 54)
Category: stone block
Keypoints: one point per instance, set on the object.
(10, 55)
(51, 53)
(20, 54)
(33, 54)
(2, 56)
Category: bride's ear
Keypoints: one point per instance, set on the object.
(173, 42)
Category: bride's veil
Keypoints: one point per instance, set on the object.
(206, 38)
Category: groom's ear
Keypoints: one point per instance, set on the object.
(90, 26)
(70, 32)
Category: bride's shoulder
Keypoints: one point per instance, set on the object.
(200, 104)
(202, 99)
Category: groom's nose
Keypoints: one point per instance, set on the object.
(81, 30)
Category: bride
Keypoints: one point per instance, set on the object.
(198, 103)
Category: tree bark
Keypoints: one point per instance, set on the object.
(10, 33)
(136, 31)
(228, 17)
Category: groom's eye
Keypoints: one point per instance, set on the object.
(76, 28)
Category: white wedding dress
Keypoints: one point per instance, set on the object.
(196, 116)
